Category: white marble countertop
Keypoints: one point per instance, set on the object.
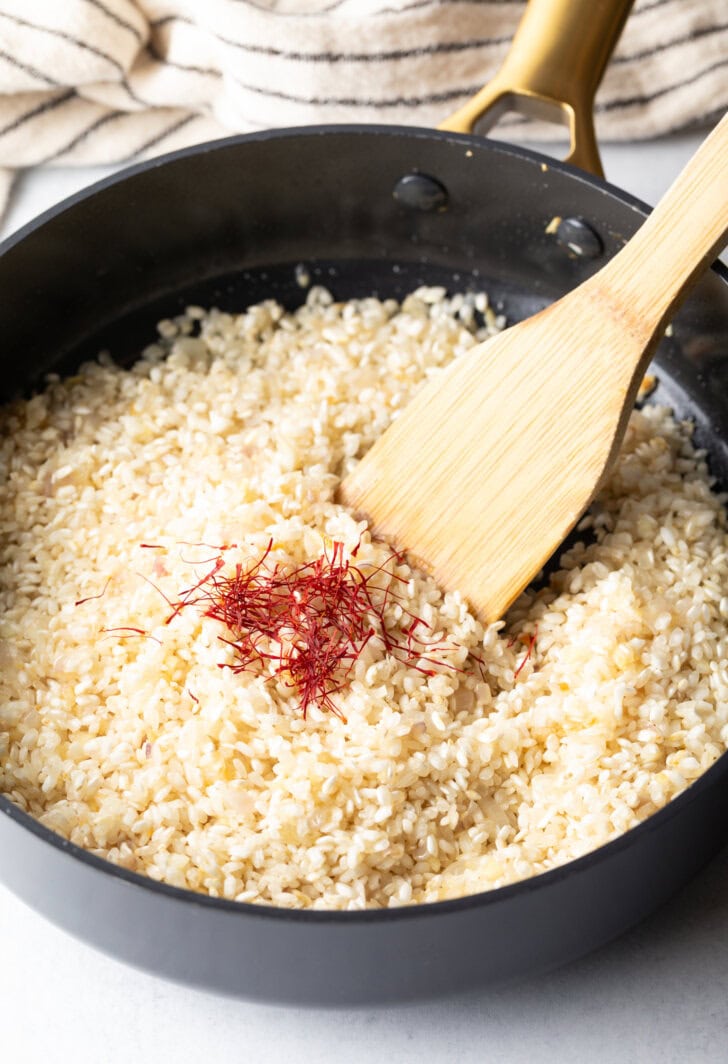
(656, 995)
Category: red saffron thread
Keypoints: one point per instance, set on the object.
(529, 651)
(89, 598)
(307, 627)
(126, 633)
(211, 546)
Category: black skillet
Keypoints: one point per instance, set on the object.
(227, 224)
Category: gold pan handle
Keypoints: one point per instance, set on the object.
(552, 72)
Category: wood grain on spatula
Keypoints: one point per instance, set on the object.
(485, 472)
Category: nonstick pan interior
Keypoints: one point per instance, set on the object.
(227, 225)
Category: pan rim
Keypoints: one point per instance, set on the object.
(528, 155)
(417, 911)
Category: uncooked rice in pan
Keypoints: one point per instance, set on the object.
(146, 752)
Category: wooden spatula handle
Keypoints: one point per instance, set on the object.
(649, 277)
(493, 461)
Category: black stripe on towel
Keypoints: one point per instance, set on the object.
(188, 67)
(454, 94)
(64, 37)
(96, 124)
(159, 137)
(635, 101)
(419, 5)
(694, 35)
(121, 22)
(351, 101)
(443, 48)
(649, 7)
(112, 116)
(27, 69)
(42, 108)
(312, 14)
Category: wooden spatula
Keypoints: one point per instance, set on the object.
(493, 462)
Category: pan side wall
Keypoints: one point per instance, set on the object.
(345, 959)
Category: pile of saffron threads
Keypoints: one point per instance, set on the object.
(308, 626)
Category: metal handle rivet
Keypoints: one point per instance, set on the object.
(421, 193)
(578, 238)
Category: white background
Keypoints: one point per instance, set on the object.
(659, 994)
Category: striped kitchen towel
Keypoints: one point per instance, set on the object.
(101, 81)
